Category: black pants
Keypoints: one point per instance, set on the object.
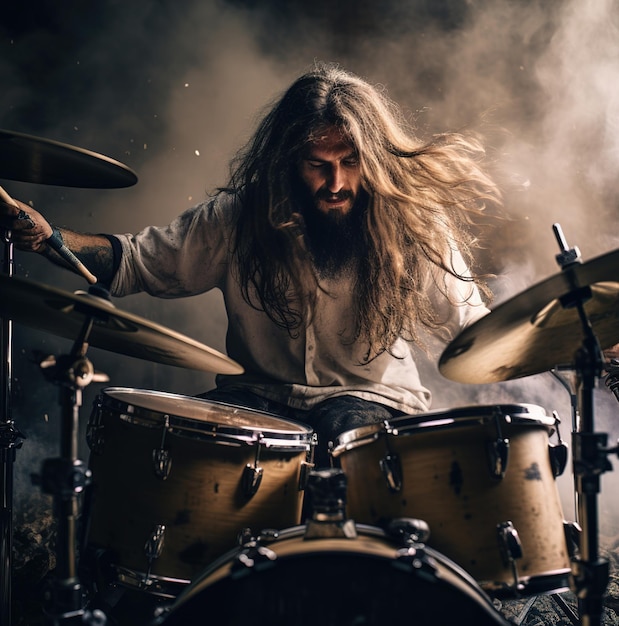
(330, 418)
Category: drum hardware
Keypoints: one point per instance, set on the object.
(65, 479)
(557, 599)
(590, 572)
(573, 533)
(10, 441)
(95, 431)
(558, 452)
(308, 465)
(511, 550)
(252, 474)
(253, 552)
(327, 490)
(498, 451)
(390, 464)
(153, 548)
(407, 530)
(162, 461)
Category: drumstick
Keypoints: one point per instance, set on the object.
(56, 242)
(4, 196)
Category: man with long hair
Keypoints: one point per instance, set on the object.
(338, 239)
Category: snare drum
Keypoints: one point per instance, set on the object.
(369, 579)
(481, 477)
(175, 479)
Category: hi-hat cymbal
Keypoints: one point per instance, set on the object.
(35, 160)
(534, 332)
(62, 313)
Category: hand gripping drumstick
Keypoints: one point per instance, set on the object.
(56, 242)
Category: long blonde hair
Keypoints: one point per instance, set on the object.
(423, 197)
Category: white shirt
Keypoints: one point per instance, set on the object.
(191, 256)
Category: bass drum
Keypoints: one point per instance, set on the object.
(367, 580)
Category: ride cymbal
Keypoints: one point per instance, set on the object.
(31, 159)
(62, 313)
(539, 329)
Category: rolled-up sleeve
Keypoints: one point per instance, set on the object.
(187, 257)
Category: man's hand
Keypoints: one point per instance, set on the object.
(29, 229)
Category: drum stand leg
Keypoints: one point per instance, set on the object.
(590, 572)
(10, 441)
(563, 605)
(65, 478)
(590, 460)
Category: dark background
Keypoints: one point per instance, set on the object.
(172, 89)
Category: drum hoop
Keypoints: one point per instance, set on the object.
(130, 411)
(363, 531)
(431, 421)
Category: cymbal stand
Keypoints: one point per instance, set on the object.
(10, 441)
(65, 478)
(590, 572)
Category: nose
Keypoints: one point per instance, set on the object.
(336, 179)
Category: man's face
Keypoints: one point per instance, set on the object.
(329, 168)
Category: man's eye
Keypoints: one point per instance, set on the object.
(316, 164)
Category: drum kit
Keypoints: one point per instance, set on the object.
(200, 505)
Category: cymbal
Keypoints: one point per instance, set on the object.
(62, 313)
(35, 160)
(534, 332)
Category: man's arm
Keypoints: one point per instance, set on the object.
(30, 232)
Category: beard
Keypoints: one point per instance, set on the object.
(334, 239)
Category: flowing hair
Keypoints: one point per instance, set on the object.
(422, 198)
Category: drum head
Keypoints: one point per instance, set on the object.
(189, 416)
(462, 417)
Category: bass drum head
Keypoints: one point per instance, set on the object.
(333, 582)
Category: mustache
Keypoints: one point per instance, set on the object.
(325, 194)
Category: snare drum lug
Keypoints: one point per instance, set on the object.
(95, 429)
(558, 458)
(558, 453)
(152, 549)
(161, 457)
(392, 471)
(252, 477)
(510, 547)
(154, 544)
(252, 474)
(162, 463)
(573, 533)
(498, 456)
(95, 438)
(304, 472)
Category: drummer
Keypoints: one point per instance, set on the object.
(338, 241)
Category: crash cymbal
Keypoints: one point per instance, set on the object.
(533, 332)
(63, 314)
(35, 160)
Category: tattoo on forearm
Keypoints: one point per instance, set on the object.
(99, 259)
